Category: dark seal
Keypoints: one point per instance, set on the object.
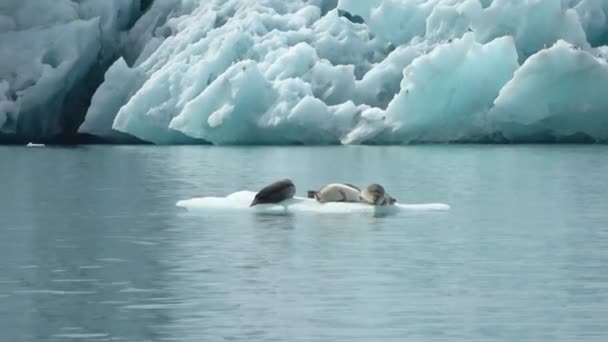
(275, 192)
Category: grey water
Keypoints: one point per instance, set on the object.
(93, 248)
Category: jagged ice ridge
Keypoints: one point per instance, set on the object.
(305, 72)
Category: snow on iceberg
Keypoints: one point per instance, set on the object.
(240, 201)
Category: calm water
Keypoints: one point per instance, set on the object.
(93, 247)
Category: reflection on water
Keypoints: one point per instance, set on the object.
(274, 220)
(94, 248)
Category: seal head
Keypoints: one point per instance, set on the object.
(375, 195)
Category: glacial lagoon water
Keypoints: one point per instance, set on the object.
(93, 247)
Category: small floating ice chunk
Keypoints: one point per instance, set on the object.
(242, 199)
(111, 260)
(137, 290)
(80, 336)
(54, 292)
(74, 280)
(90, 267)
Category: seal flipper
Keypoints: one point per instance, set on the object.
(312, 194)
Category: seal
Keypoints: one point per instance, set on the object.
(275, 192)
(336, 192)
(375, 195)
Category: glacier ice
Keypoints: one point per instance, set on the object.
(8, 108)
(110, 96)
(559, 92)
(310, 71)
(242, 103)
(444, 93)
(49, 50)
(594, 18)
(533, 24)
(40, 65)
(205, 73)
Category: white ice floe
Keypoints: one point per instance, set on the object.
(240, 201)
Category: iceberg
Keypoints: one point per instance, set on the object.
(305, 71)
(444, 94)
(39, 70)
(109, 97)
(8, 108)
(50, 51)
(559, 93)
(255, 78)
(532, 24)
(594, 19)
(239, 201)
